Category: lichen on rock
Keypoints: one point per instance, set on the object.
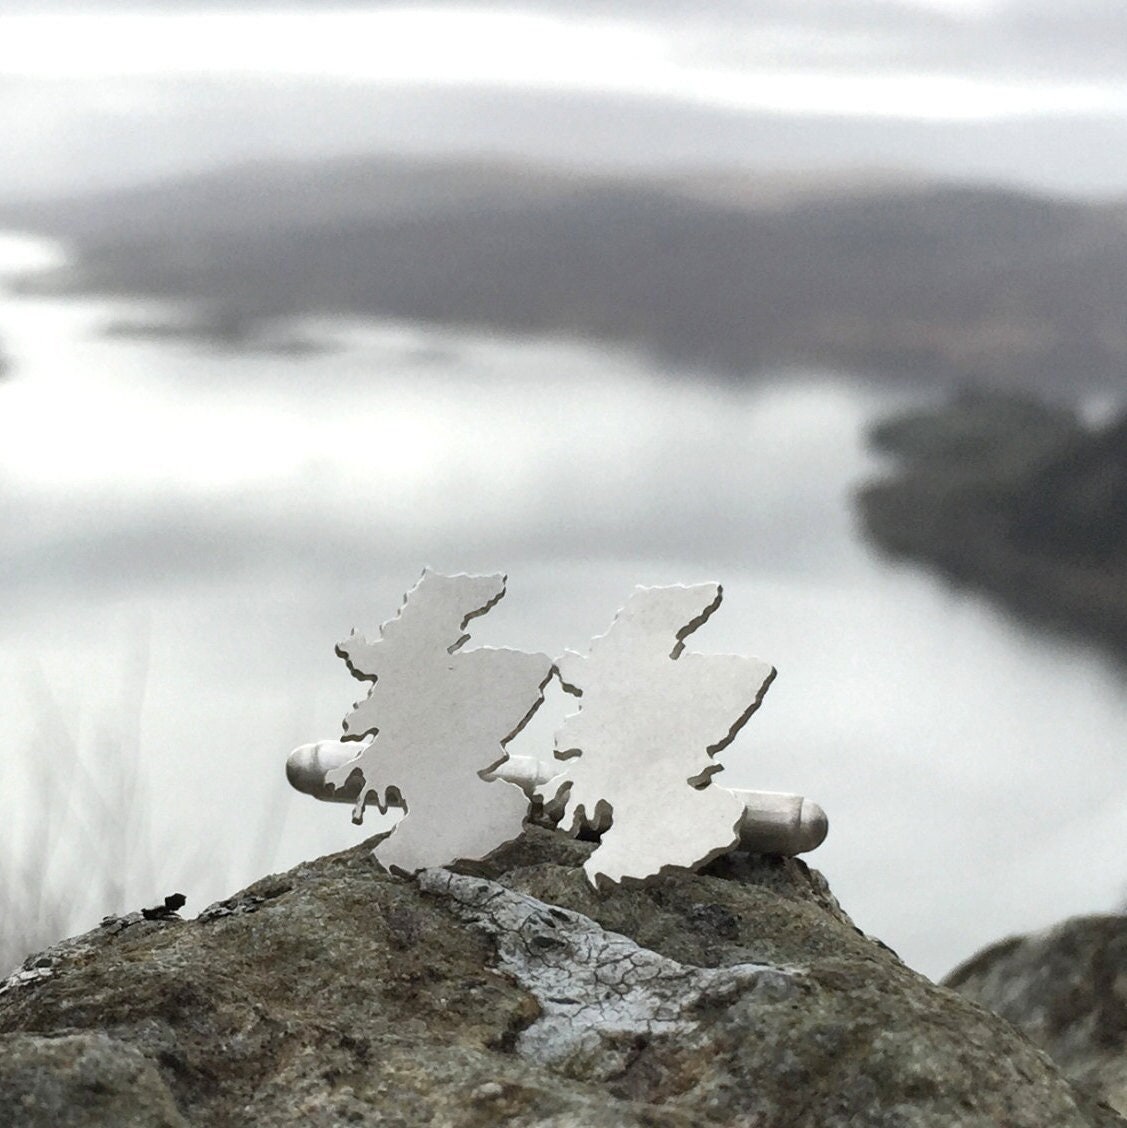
(597, 990)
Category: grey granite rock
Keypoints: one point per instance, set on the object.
(511, 992)
(1067, 990)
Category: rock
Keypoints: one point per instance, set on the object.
(1067, 990)
(511, 992)
(81, 1081)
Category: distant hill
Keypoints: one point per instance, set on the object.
(738, 274)
(1073, 505)
(1016, 499)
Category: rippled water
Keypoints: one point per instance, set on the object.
(187, 532)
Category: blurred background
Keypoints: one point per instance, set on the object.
(820, 299)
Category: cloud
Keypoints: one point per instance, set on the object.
(1026, 40)
(59, 139)
(1025, 92)
(1029, 40)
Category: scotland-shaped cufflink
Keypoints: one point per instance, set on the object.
(638, 754)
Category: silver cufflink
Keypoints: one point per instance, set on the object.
(773, 822)
(639, 752)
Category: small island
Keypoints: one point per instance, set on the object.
(1016, 498)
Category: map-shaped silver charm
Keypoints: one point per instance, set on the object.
(439, 717)
(638, 755)
(635, 764)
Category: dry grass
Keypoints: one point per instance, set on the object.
(78, 841)
(78, 835)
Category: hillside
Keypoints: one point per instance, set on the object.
(1013, 498)
(907, 280)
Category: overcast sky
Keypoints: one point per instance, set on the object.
(1034, 36)
(885, 57)
(1029, 92)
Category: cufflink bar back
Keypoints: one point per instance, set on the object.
(772, 823)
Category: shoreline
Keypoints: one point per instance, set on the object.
(986, 502)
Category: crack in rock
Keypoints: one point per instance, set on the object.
(594, 986)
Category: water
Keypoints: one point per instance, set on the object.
(187, 532)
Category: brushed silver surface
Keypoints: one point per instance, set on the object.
(773, 822)
(640, 751)
(638, 755)
(439, 716)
